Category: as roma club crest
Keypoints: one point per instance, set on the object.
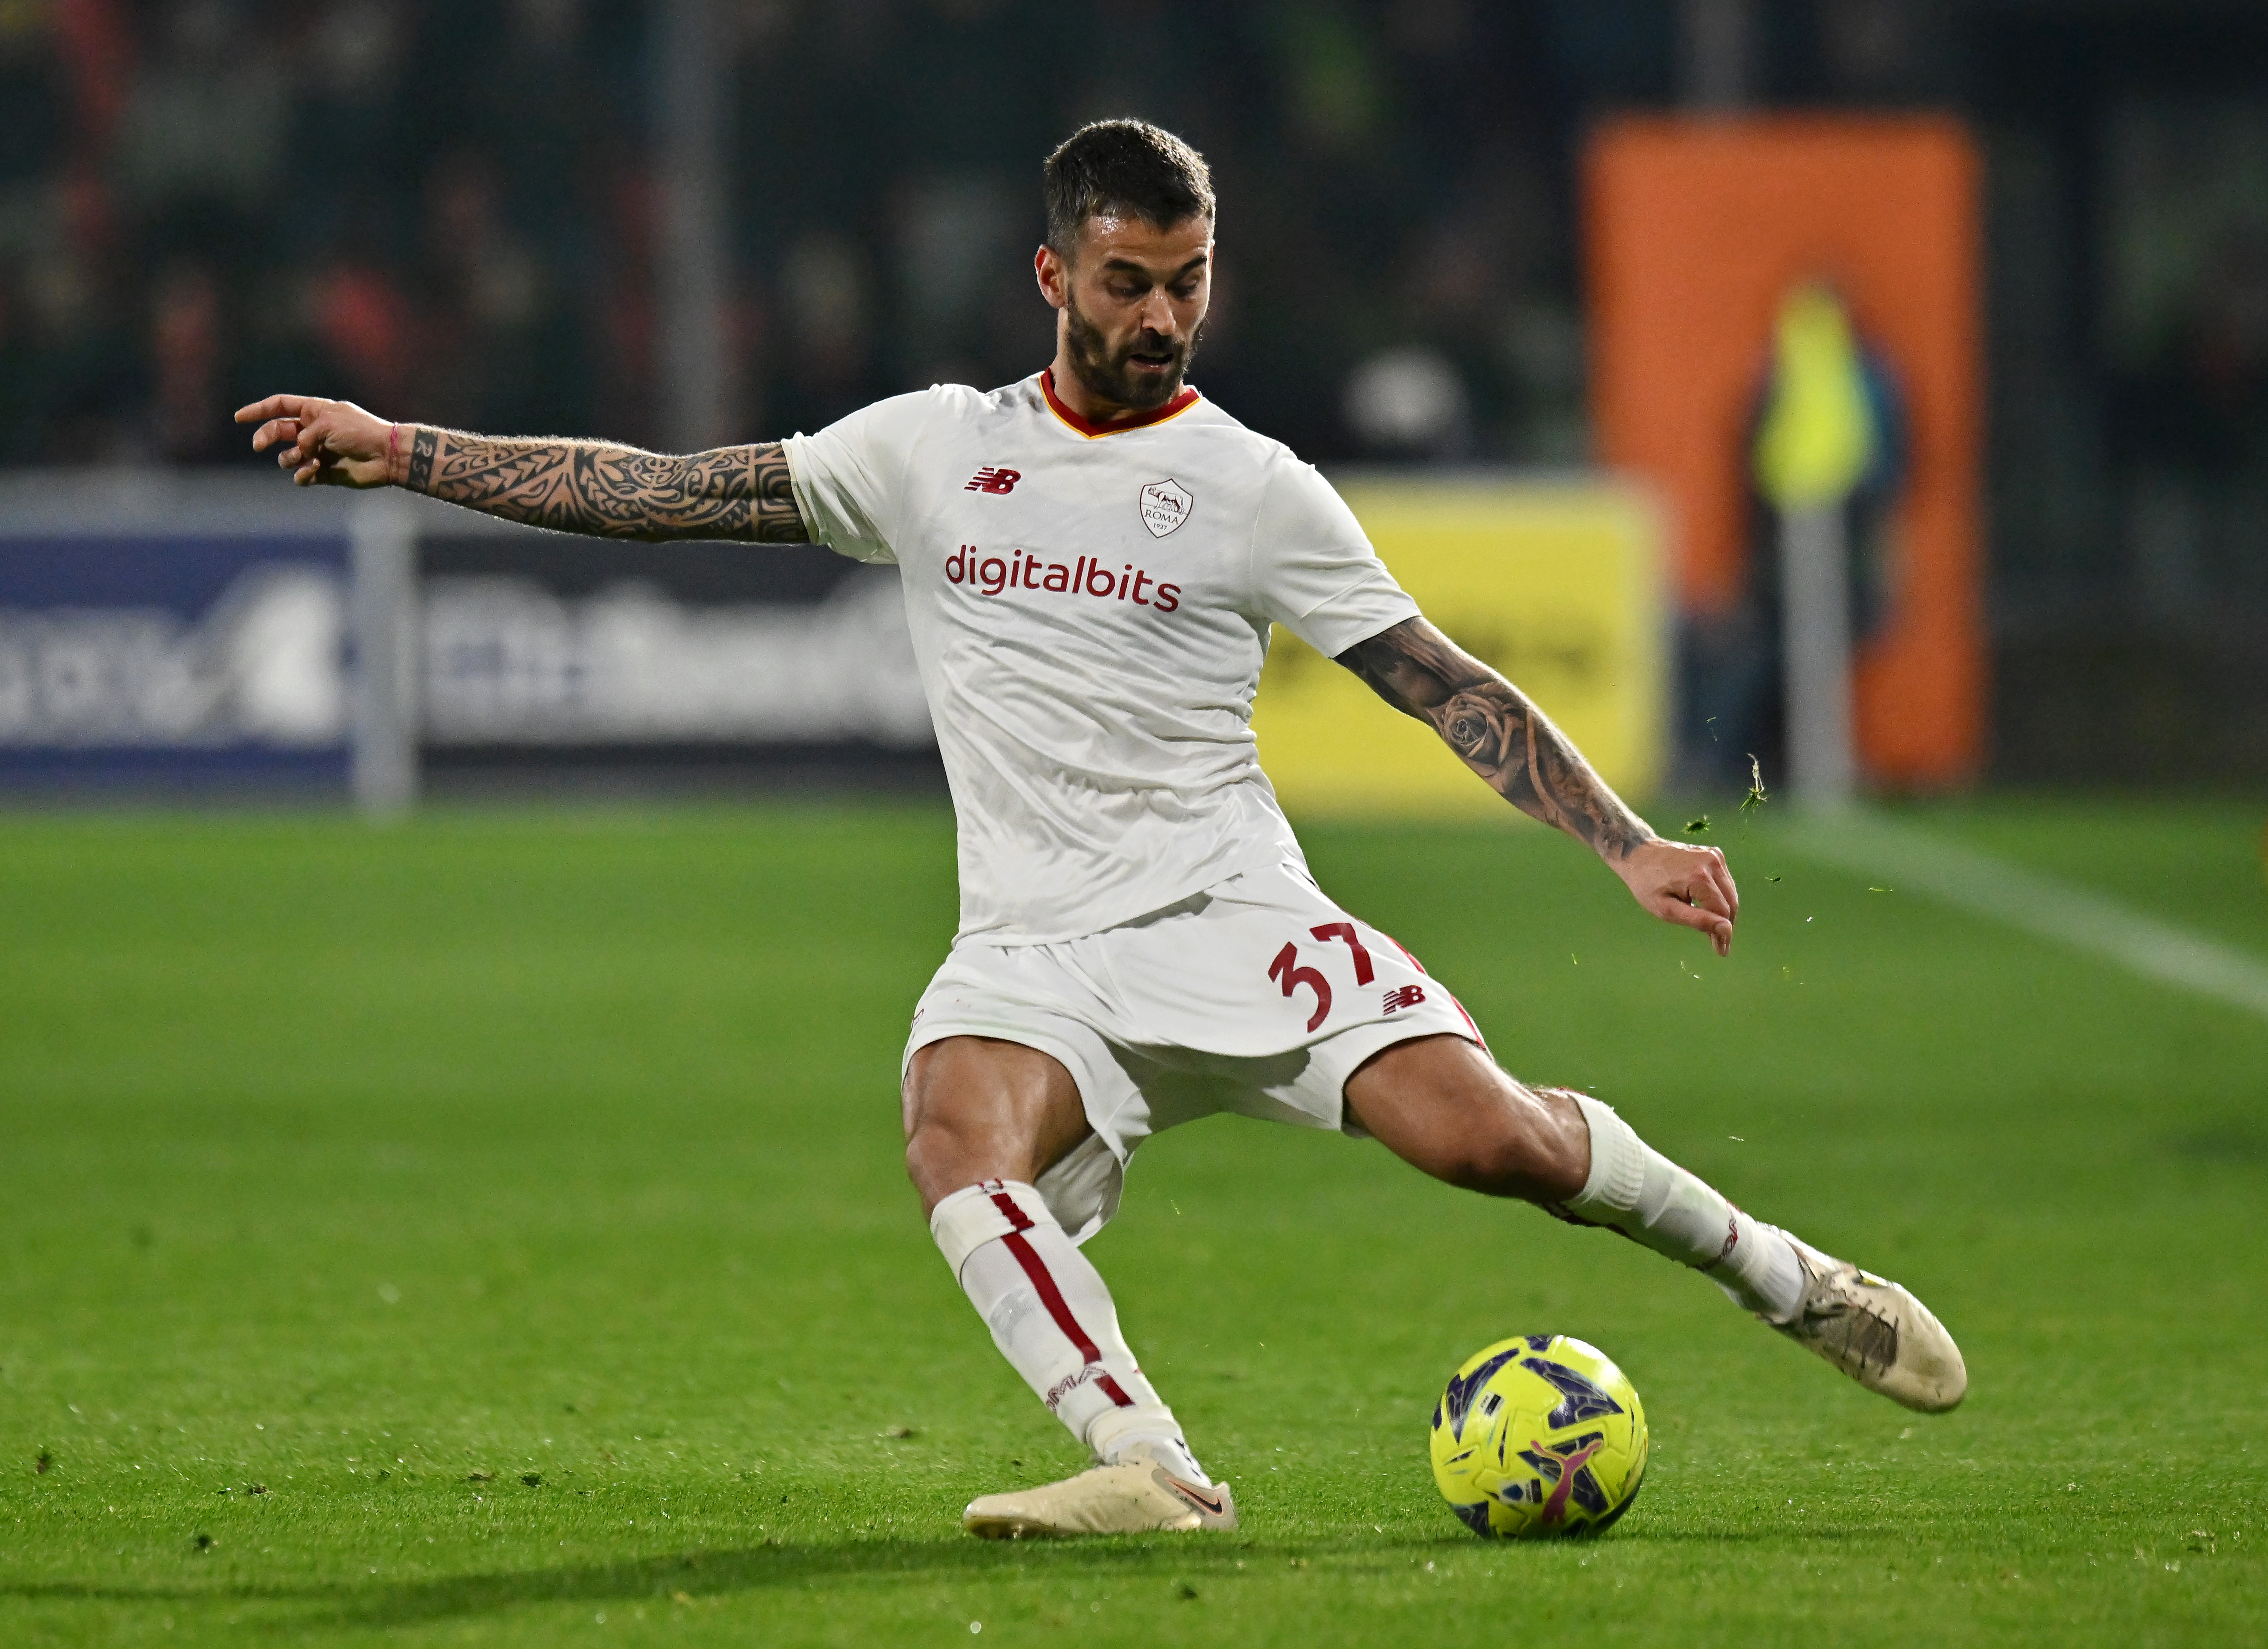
(1165, 505)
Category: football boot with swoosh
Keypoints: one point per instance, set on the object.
(1877, 1332)
(1139, 1494)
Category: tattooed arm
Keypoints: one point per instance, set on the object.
(1502, 736)
(611, 491)
(574, 486)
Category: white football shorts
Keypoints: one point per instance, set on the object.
(1257, 995)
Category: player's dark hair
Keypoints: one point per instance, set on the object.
(1123, 169)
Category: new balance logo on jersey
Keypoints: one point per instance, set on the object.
(991, 480)
(1405, 997)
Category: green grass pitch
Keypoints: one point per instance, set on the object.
(492, 1231)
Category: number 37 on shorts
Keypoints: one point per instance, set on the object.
(1292, 974)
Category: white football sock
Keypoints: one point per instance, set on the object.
(1640, 1192)
(1051, 1316)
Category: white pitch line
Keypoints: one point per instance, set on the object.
(1920, 862)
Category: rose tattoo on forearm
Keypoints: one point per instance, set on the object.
(1497, 732)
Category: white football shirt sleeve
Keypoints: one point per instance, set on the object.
(848, 478)
(1314, 570)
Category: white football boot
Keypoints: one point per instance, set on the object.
(1138, 1496)
(1877, 1332)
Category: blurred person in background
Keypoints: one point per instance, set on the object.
(185, 355)
(70, 368)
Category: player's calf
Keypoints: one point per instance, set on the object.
(1443, 1106)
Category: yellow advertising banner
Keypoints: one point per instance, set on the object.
(1555, 584)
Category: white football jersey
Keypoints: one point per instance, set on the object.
(1089, 609)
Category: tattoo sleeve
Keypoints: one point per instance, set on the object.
(739, 492)
(1499, 732)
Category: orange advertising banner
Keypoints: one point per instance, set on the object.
(1698, 231)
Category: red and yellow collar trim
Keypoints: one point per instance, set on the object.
(1093, 432)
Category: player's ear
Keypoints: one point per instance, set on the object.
(1054, 274)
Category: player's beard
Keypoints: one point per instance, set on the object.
(1105, 373)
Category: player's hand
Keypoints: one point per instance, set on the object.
(327, 442)
(1689, 886)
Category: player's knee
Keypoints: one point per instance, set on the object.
(942, 1157)
(932, 1160)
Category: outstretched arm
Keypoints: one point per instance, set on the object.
(573, 486)
(1514, 745)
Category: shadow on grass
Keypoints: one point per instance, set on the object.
(727, 1573)
(710, 1574)
(661, 1577)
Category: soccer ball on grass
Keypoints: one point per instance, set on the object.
(1538, 1436)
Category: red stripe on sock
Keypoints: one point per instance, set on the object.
(1051, 1297)
(1018, 1220)
(1059, 1308)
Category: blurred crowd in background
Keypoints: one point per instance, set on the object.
(434, 205)
(448, 209)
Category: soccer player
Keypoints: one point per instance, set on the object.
(1091, 560)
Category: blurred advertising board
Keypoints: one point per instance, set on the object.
(1556, 583)
(155, 646)
(1699, 231)
(541, 651)
(209, 632)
